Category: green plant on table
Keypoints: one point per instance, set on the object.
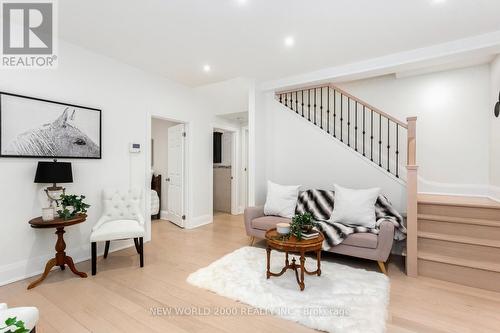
(301, 223)
(71, 206)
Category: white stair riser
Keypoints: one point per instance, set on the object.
(462, 275)
(477, 253)
(460, 229)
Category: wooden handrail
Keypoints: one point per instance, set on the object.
(348, 95)
(371, 107)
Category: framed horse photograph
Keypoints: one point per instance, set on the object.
(39, 128)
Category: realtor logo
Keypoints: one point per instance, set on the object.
(28, 34)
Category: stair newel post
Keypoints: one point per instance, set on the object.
(411, 192)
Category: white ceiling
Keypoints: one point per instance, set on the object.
(176, 38)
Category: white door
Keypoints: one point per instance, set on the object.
(175, 175)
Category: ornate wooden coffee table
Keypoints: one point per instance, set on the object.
(291, 244)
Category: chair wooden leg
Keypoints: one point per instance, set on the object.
(106, 249)
(252, 240)
(136, 242)
(33, 330)
(381, 265)
(141, 254)
(94, 258)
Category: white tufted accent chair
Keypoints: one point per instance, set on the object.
(121, 219)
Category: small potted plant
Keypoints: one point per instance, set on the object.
(301, 223)
(71, 206)
(14, 325)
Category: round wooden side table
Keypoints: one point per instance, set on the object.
(61, 259)
(291, 244)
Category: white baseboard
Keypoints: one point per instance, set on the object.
(199, 221)
(164, 215)
(34, 266)
(494, 193)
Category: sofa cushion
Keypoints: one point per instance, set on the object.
(362, 239)
(268, 222)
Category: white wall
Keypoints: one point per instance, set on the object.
(229, 96)
(159, 133)
(453, 110)
(127, 98)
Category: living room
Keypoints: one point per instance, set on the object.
(365, 182)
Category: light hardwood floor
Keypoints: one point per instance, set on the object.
(120, 296)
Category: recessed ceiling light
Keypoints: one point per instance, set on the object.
(242, 2)
(289, 41)
(437, 2)
(206, 68)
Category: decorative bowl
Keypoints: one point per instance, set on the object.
(283, 228)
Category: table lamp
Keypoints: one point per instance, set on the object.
(53, 173)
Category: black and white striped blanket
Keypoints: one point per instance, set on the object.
(320, 203)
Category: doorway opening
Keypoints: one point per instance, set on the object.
(168, 171)
(230, 163)
(224, 163)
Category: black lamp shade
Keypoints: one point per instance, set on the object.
(53, 172)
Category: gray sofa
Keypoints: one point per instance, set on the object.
(361, 245)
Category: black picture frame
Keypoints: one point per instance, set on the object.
(67, 105)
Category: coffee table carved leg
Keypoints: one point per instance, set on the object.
(318, 257)
(51, 263)
(302, 269)
(268, 273)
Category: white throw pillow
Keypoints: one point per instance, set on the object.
(281, 200)
(355, 207)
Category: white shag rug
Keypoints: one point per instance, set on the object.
(342, 299)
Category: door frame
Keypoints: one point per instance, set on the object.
(245, 137)
(186, 182)
(235, 165)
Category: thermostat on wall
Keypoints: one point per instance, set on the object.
(135, 148)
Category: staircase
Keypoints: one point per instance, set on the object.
(450, 238)
(459, 240)
(372, 133)
(388, 143)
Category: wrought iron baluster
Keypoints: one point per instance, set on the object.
(341, 116)
(379, 140)
(321, 109)
(296, 102)
(302, 101)
(348, 121)
(281, 98)
(356, 126)
(334, 113)
(309, 104)
(371, 138)
(328, 110)
(315, 90)
(397, 150)
(364, 130)
(388, 145)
